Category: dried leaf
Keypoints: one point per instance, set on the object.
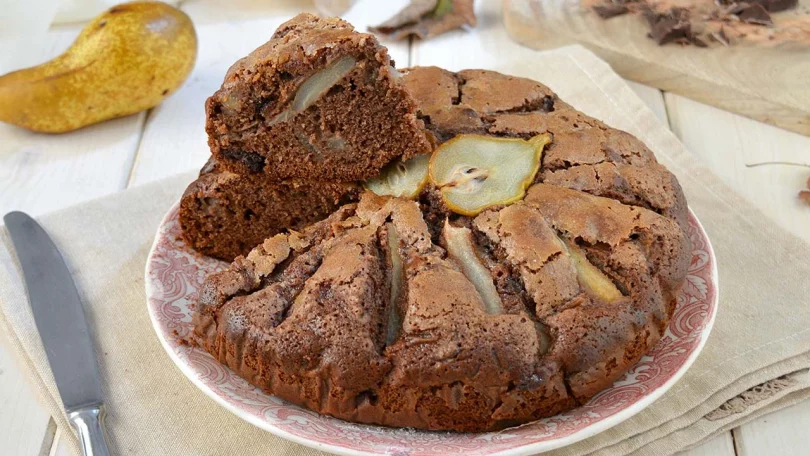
(411, 14)
(428, 18)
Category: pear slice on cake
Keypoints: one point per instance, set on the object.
(474, 172)
(590, 278)
(401, 179)
(458, 241)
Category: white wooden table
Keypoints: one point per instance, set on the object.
(42, 173)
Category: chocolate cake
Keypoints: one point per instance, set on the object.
(365, 317)
(225, 215)
(584, 154)
(318, 101)
(434, 310)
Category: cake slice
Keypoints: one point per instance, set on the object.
(319, 101)
(224, 215)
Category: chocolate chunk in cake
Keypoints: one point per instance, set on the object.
(319, 101)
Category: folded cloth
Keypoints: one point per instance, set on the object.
(752, 364)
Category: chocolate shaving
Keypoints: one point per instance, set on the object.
(671, 26)
(720, 37)
(610, 10)
(772, 6)
(693, 39)
(754, 14)
(733, 9)
(696, 24)
(428, 18)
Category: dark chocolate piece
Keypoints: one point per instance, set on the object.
(687, 25)
(774, 6)
(755, 14)
(693, 39)
(671, 26)
(610, 10)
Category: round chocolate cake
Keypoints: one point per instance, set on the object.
(484, 322)
(512, 273)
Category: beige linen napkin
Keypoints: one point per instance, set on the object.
(751, 365)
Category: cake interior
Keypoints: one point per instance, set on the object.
(318, 92)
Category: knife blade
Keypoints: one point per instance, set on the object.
(62, 326)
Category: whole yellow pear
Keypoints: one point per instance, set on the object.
(126, 60)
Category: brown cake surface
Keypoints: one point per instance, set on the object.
(319, 101)
(372, 315)
(585, 154)
(364, 317)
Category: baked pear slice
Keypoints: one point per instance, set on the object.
(394, 322)
(458, 241)
(401, 179)
(474, 172)
(590, 278)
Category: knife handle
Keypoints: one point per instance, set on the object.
(89, 424)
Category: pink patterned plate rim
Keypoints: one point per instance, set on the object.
(174, 272)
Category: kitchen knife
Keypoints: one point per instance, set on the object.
(62, 327)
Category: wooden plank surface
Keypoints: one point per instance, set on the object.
(653, 98)
(766, 81)
(783, 433)
(728, 142)
(722, 445)
(23, 422)
(41, 173)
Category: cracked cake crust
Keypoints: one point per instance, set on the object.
(378, 315)
(585, 154)
(305, 316)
